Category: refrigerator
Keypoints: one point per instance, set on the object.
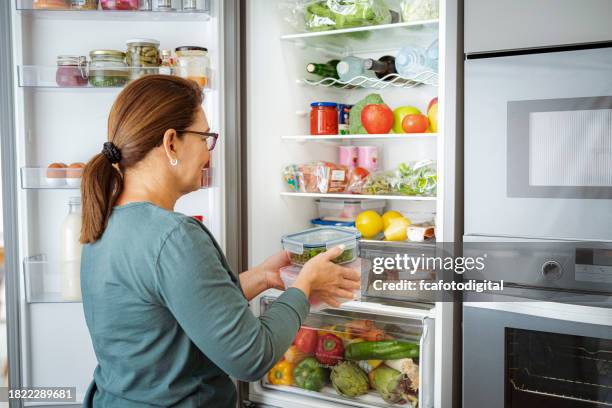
(258, 98)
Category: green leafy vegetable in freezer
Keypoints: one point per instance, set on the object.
(393, 386)
(355, 126)
(349, 380)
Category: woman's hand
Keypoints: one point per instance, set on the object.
(326, 280)
(270, 270)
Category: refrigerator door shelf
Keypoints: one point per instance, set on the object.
(36, 178)
(43, 280)
(355, 319)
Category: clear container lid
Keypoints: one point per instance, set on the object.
(326, 223)
(71, 60)
(323, 237)
(142, 41)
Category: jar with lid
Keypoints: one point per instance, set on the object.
(119, 4)
(193, 5)
(324, 118)
(192, 63)
(163, 5)
(142, 57)
(108, 69)
(71, 71)
(51, 4)
(84, 4)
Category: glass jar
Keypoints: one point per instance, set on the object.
(84, 4)
(71, 71)
(142, 57)
(51, 4)
(119, 4)
(324, 118)
(192, 63)
(107, 69)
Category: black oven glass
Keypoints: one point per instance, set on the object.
(552, 370)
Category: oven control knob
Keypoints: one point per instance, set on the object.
(552, 270)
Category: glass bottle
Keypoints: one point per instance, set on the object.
(327, 70)
(167, 63)
(70, 252)
(382, 67)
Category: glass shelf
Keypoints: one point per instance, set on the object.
(34, 178)
(43, 76)
(358, 196)
(390, 81)
(42, 281)
(369, 38)
(365, 137)
(176, 13)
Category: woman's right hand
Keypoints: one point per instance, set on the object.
(326, 280)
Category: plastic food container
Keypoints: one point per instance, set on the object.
(108, 68)
(346, 210)
(305, 245)
(119, 4)
(193, 63)
(142, 53)
(318, 222)
(324, 118)
(289, 274)
(71, 71)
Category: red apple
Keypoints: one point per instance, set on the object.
(377, 118)
(415, 123)
(431, 103)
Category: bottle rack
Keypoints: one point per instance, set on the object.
(389, 81)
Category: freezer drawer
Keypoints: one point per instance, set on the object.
(339, 331)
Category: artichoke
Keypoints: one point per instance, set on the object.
(393, 386)
(349, 380)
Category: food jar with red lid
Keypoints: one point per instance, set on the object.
(324, 118)
(71, 71)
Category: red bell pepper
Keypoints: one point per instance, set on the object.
(330, 349)
(306, 340)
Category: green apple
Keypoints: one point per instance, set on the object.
(399, 114)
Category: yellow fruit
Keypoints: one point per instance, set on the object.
(433, 117)
(389, 216)
(397, 230)
(369, 223)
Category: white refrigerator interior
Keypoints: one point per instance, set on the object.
(68, 125)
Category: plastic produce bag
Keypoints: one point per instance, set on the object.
(317, 177)
(320, 15)
(416, 10)
(412, 179)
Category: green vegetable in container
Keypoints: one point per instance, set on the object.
(349, 380)
(309, 374)
(381, 350)
(339, 14)
(393, 386)
(300, 259)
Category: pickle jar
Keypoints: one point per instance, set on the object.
(192, 63)
(84, 4)
(71, 71)
(108, 69)
(142, 57)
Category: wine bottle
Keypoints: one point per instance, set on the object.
(383, 67)
(327, 70)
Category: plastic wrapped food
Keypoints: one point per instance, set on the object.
(412, 179)
(323, 15)
(417, 10)
(317, 177)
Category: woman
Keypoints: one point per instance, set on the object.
(169, 320)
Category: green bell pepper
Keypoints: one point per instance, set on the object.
(310, 375)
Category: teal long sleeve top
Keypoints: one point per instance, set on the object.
(167, 317)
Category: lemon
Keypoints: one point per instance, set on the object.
(397, 230)
(369, 223)
(389, 216)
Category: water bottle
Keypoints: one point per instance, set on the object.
(351, 67)
(413, 60)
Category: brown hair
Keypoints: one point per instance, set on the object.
(138, 119)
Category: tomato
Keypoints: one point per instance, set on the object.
(415, 123)
(377, 118)
(306, 340)
(360, 173)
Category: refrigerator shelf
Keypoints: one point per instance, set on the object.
(358, 196)
(42, 281)
(43, 178)
(365, 137)
(44, 76)
(368, 38)
(177, 14)
(390, 81)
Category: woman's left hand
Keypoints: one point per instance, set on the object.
(270, 270)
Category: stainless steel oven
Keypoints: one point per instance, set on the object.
(538, 143)
(536, 355)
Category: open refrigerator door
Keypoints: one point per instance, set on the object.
(61, 103)
(299, 76)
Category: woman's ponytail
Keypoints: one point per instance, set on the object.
(138, 119)
(101, 185)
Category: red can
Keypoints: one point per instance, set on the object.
(324, 118)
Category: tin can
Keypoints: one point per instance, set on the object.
(343, 118)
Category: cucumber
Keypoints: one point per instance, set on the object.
(381, 350)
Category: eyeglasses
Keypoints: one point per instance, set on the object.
(209, 137)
